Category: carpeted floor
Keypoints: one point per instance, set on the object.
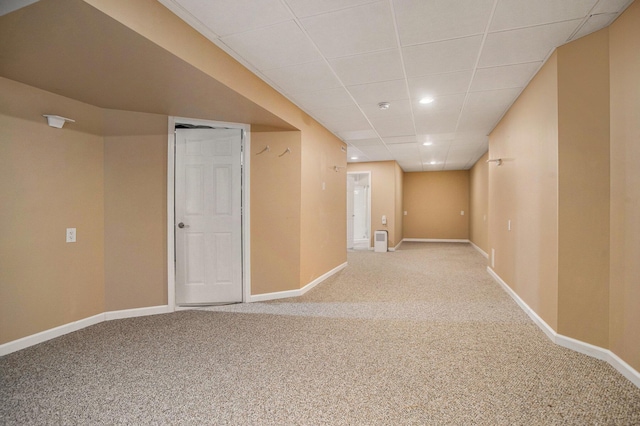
(420, 336)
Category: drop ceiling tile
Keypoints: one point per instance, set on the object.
(346, 112)
(373, 111)
(479, 122)
(434, 153)
(438, 156)
(327, 98)
(504, 77)
(437, 123)
(304, 8)
(441, 104)
(458, 161)
(491, 100)
(410, 166)
(355, 154)
(469, 147)
(461, 156)
(434, 150)
(436, 137)
(400, 139)
(434, 144)
(439, 84)
(400, 125)
(369, 67)
(366, 133)
(375, 151)
(361, 159)
(441, 57)
(277, 46)
(309, 77)
(230, 17)
(352, 31)
(524, 45)
(373, 142)
(384, 91)
(517, 13)
(422, 21)
(611, 6)
(433, 168)
(594, 23)
(477, 139)
(405, 149)
(340, 125)
(382, 156)
(455, 165)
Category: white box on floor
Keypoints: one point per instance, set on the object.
(381, 242)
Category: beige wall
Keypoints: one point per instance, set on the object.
(135, 209)
(275, 212)
(624, 296)
(523, 190)
(583, 189)
(479, 203)
(572, 158)
(323, 217)
(50, 179)
(433, 202)
(383, 197)
(399, 213)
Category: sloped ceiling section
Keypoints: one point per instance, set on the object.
(70, 48)
(338, 59)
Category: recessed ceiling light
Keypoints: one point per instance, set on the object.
(433, 162)
(427, 100)
(427, 143)
(384, 105)
(354, 158)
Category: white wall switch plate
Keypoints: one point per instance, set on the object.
(71, 235)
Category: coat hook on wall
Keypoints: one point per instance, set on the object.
(266, 149)
(497, 160)
(288, 150)
(337, 168)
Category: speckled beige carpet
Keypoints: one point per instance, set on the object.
(421, 336)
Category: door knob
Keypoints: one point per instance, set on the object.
(181, 225)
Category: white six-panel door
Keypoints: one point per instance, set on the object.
(208, 218)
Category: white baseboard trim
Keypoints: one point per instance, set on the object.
(137, 312)
(299, 292)
(52, 333)
(623, 368)
(434, 240)
(568, 342)
(396, 247)
(482, 252)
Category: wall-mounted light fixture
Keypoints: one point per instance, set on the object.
(496, 160)
(57, 121)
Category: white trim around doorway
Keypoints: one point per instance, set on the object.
(246, 219)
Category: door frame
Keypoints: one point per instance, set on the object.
(245, 200)
(367, 172)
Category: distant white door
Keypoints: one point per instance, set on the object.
(350, 212)
(208, 216)
(358, 210)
